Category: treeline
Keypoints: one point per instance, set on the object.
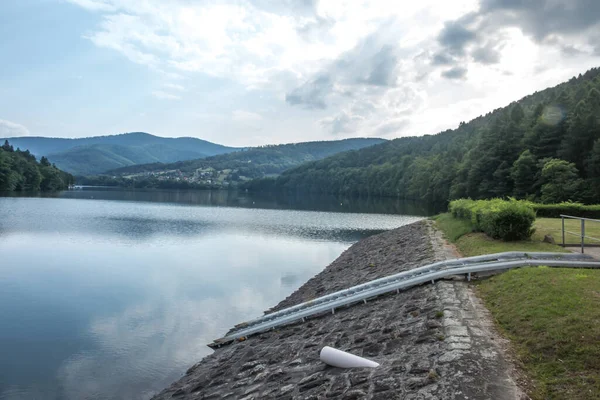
(142, 183)
(19, 170)
(545, 147)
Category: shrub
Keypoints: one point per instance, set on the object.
(567, 208)
(501, 219)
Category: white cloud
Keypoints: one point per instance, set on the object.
(248, 120)
(246, 116)
(12, 129)
(94, 5)
(359, 68)
(161, 94)
(248, 41)
(174, 86)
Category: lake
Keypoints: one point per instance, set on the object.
(111, 294)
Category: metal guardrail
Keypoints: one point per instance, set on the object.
(404, 280)
(582, 234)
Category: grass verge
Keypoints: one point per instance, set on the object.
(553, 226)
(469, 243)
(551, 315)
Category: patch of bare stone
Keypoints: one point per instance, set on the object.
(432, 341)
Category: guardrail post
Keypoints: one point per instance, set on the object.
(563, 229)
(582, 234)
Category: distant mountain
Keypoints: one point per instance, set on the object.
(241, 166)
(94, 155)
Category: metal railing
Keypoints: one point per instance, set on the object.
(405, 280)
(581, 234)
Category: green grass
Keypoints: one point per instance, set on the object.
(453, 228)
(468, 243)
(551, 315)
(552, 226)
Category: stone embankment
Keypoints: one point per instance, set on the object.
(432, 341)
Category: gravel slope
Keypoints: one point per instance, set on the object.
(423, 355)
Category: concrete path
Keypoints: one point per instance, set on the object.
(472, 338)
(592, 251)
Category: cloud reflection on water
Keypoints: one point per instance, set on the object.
(114, 300)
(172, 329)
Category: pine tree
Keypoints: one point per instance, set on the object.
(560, 181)
(523, 173)
(581, 133)
(7, 147)
(593, 167)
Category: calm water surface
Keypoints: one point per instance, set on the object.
(113, 295)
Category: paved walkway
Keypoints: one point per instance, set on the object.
(473, 342)
(592, 251)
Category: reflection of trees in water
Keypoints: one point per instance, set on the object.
(223, 198)
(123, 220)
(145, 228)
(314, 202)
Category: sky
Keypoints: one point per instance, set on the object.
(255, 72)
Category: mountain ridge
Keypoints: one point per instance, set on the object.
(237, 167)
(93, 155)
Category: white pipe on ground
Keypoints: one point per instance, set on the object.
(341, 359)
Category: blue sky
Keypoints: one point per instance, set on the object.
(253, 72)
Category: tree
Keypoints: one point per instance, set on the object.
(545, 138)
(560, 181)
(7, 147)
(580, 135)
(517, 114)
(8, 179)
(523, 174)
(19, 170)
(593, 167)
(503, 182)
(44, 161)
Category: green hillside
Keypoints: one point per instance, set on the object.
(241, 166)
(19, 170)
(97, 158)
(545, 146)
(95, 155)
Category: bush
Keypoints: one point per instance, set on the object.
(567, 208)
(501, 219)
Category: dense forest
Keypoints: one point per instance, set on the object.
(19, 170)
(544, 147)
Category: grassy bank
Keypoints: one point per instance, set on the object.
(551, 315)
(468, 243)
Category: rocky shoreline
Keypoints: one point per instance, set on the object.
(432, 341)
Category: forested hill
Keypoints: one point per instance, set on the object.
(240, 166)
(545, 146)
(97, 154)
(19, 170)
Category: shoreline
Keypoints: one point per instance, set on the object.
(428, 339)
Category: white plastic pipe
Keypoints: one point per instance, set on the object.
(341, 359)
